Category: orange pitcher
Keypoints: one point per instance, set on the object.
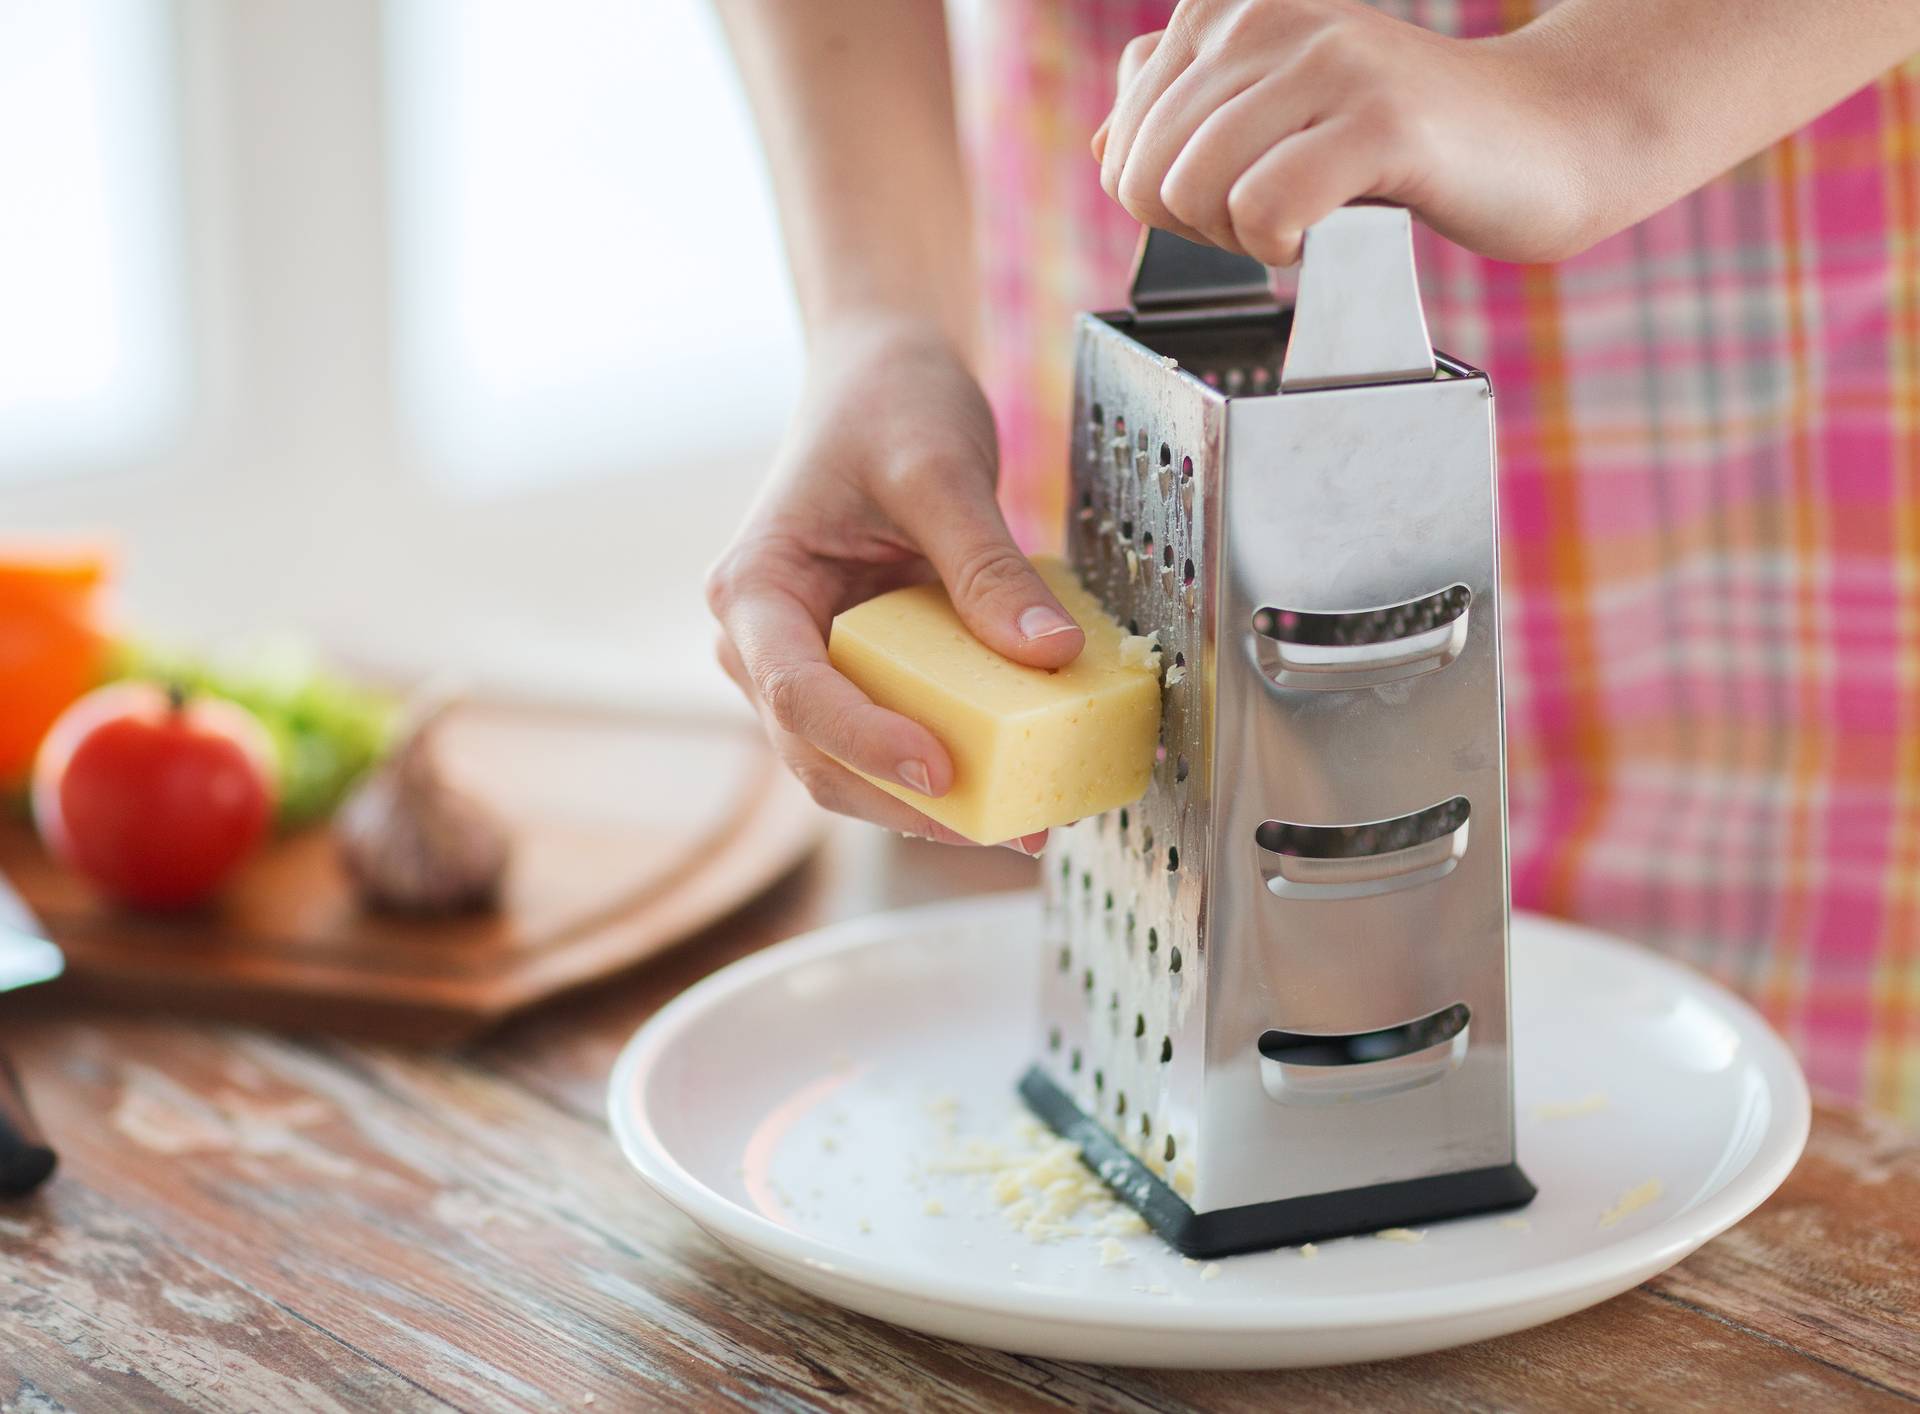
(53, 638)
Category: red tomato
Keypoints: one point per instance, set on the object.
(154, 799)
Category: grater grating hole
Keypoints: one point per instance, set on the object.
(1180, 659)
(1109, 900)
(1123, 819)
(1053, 1039)
(1073, 1063)
(1099, 1080)
(1166, 1054)
(1120, 1102)
(1143, 439)
(1146, 1126)
(1126, 529)
(1186, 573)
(1086, 882)
(1133, 627)
(1166, 454)
(1166, 556)
(1120, 427)
(1113, 1003)
(1099, 415)
(1173, 962)
(1146, 839)
(1169, 1149)
(1086, 982)
(1066, 959)
(1153, 940)
(1139, 1023)
(1146, 543)
(1180, 768)
(1186, 468)
(1173, 859)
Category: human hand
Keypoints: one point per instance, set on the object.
(1246, 121)
(886, 480)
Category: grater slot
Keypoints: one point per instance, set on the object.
(1361, 647)
(1303, 1067)
(1300, 861)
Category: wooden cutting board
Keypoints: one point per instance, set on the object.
(630, 834)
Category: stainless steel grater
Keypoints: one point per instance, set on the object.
(1275, 989)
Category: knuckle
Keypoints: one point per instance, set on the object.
(1138, 193)
(820, 781)
(1183, 199)
(1247, 208)
(1333, 46)
(784, 690)
(720, 584)
(987, 571)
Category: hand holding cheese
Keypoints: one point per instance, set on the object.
(1031, 747)
(885, 480)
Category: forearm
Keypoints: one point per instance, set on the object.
(854, 101)
(1673, 92)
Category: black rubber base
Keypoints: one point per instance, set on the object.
(1285, 1222)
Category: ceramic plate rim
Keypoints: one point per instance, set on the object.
(1619, 1264)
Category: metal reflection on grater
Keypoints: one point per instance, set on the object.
(1297, 502)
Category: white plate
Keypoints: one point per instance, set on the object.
(791, 1103)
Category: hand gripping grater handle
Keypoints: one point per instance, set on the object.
(1357, 320)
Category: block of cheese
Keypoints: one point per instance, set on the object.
(1031, 748)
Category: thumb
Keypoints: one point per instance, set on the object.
(999, 595)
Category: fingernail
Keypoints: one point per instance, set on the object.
(913, 775)
(1043, 622)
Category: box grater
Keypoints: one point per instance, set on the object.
(1275, 989)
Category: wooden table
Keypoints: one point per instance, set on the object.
(245, 1221)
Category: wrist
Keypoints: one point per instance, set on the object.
(1599, 129)
(860, 328)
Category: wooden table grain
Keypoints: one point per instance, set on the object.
(248, 1221)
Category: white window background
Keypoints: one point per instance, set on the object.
(586, 272)
(453, 334)
(92, 345)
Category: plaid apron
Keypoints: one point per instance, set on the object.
(1710, 517)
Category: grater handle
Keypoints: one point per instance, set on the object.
(1171, 272)
(1358, 318)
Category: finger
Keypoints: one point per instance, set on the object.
(731, 664)
(887, 810)
(1136, 53)
(1134, 57)
(1226, 143)
(785, 661)
(1188, 101)
(1296, 183)
(998, 594)
(833, 787)
(1145, 73)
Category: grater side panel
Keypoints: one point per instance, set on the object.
(1124, 987)
(1336, 501)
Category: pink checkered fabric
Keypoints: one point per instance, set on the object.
(1710, 511)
